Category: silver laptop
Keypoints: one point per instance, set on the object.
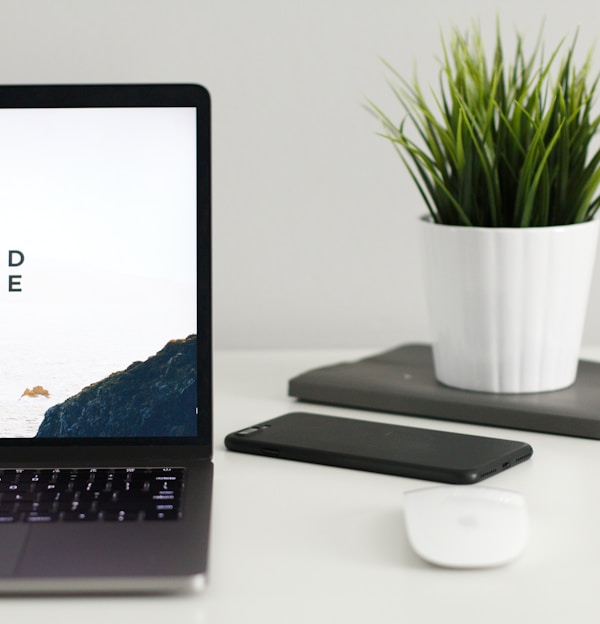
(105, 338)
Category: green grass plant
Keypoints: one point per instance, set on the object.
(503, 143)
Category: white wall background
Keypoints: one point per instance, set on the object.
(315, 237)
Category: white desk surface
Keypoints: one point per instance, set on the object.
(300, 543)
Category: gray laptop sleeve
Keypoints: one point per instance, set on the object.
(402, 381)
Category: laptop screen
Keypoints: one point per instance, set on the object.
(99, 205)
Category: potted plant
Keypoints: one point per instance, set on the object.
(502, 157)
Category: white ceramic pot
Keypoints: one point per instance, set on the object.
(507, 305)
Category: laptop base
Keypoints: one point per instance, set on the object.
(110, 586)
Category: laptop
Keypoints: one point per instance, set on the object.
(105, 338)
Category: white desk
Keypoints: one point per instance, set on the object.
(300, 543)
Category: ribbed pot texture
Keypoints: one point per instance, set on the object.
(507, 305)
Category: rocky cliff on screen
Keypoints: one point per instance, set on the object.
(157, 397)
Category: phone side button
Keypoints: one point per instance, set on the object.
(271, 452)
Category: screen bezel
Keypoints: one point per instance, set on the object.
(140, 96)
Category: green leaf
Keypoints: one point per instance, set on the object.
(504, 143)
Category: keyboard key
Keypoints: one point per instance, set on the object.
(40, 518)
(162, 515)
(80, 516)
(120, 516)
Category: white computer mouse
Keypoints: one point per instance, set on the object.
(466, 526)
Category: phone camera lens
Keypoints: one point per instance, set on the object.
(248, 431)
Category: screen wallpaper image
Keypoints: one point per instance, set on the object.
(98, 273)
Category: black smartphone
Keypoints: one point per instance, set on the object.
(378, 447)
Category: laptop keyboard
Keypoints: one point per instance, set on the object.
(90, 495)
